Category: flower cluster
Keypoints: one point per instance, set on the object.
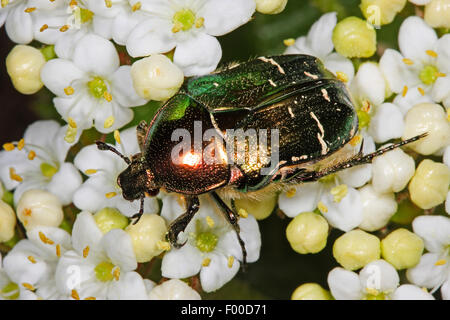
(67, 231)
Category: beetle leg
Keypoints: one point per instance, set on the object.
(232, 218)
(141, 132)
(138, 215)
(180, 223)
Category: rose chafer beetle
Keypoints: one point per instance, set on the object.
(294, 95)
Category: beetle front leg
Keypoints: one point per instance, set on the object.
(138, 215)
(180, 223)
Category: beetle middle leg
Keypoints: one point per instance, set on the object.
(141, 132)
(232, 218)
(180, 223)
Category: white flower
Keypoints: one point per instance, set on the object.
(32, 262)
(10, 290)
(378, 280)
(433, 270)
(446, 160)
(318, 43)
(38, 162)
(190, 27)
(336, 195)
(92, 88)
(100, 266)
(212, 246)
(173, 289)
(422, 69)
(101, 190)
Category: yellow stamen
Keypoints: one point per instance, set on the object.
(4, 3)
(405, 91)
(440, 74)
(44, 239)
(322, 207)
(69, 91)
(440, 262)
(86, 252)
(9, 146)
(355, 140)
(32, 259)
(372, 291)
(109, 122)
(29, 10)
(117, 136)
(27, 212)
(408, 61)
(366, 106)
(136, 6)
(73, 3)
(14, 176)
(432, 53)
(289, 42)
(28, 286)
(107, 96)
(163, 245)
(339, 192)
(72, 123)
(43, 28)
(177, 27)
(230, 261)
(243, 213)
(71, 134)
(342, 76)
(21, 144)
(31, 155)
(448, 114)
(209, 221)
(108, 3)
(58, 250)
(75, 295)
(206, 262)
(199, 22)
(291, 192)
(110, 195)
(90, 171)
(64, 28)
(90, 298)
(422, 92)
(116, 273)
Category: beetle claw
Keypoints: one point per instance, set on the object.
(172, 237)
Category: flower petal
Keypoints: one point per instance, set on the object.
(434, 230)
(85, 233)
(217, 273)
(129, 287)
(58, 74)
(123, 89)
(379, 275)
(411, 292)
(387, 123)
(369, 84)
(337, 63)
(181, 263)
(65, 182)
(319, 36)
(415, 37)
(119, 249)
(397, 73)
(344, 284)
(427, 273)
(19, 25)
(305, 199)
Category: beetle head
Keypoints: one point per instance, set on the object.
(137, 180)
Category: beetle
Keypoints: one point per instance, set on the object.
(294, 95)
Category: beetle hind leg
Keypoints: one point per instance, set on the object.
(180, 223)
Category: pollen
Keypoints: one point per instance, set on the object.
(86, 252)
(339, 192)
(44, 238)
(58, 250)
(9, 146)
(117, 136)
(209, 221)
(69, 91)
(206, 262)
(21, 144)
(407, 61)
(75, 295)
(289, 42)
(107, 96)
(116, 273)
(29, 10)
(405, 91)
(31, 155)
(110, 195)
(109, 122)
(72, 123)
(355, 140)
(431, 53)
(31, 259)
(291, 192)
(27, 212)
(14, 176)
(108, 3)
(90, 171)
(422, 92)
(322, 207)
(342, 76)
(163, 245)
(440, 262)
(64, 28)
(243, 213)
(230, 261)
(199, 22)
(43, 28)
(372, 291)
(28, 286)
(136, 6)
(366, 106)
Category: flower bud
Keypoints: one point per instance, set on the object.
(110, 218)
(429, 186)
(354, 38)
(380, 12)
(431, 118)
(7, 222)
(147, 236)
(259, 209)
(39, 208)
(311, 291)
(307, 233)
(156, 77)
(392, 171)
(270, 6)
(437, 13)
(355, 249)
(377, 208)
(402, 249)
(24, 65)
(173, 289)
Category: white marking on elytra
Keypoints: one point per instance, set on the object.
(321, 134)
(313, 76)
(273, 84)
(303, 157)
(325, 95)
(290, 112)
(273, 62)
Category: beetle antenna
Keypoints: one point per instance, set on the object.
(103, 146)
